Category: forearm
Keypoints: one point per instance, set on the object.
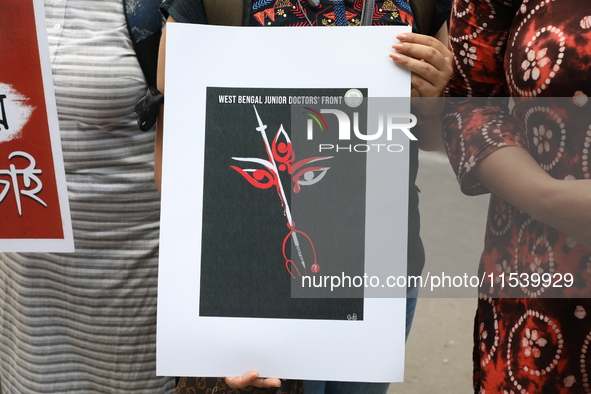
(512, 174)
(429, 128)
(429, 135)
(429, 107)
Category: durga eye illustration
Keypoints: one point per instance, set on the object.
(281, 157)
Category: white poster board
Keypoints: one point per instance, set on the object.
(202, 61)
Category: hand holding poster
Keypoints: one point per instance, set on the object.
(34, 209)
(276, 183)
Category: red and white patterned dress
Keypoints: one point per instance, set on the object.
(539, 50)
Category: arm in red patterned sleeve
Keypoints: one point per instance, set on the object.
(476, 127)
(484, 142)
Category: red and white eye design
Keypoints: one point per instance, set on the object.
(263, 179)
(308, 175)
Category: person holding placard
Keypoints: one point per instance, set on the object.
(430, 63)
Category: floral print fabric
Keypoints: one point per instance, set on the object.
(538, 52)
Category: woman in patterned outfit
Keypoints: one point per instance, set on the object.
(535, 162)
(85, 322)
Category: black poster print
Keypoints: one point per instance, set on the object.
(280, 209)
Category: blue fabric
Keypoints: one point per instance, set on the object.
(411, 305)
(403, 4)
(261, 3)
(321, 387)
(340, 12)
(143, 18)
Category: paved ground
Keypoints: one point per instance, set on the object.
(439, 349)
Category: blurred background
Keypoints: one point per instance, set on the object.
(439, 348)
